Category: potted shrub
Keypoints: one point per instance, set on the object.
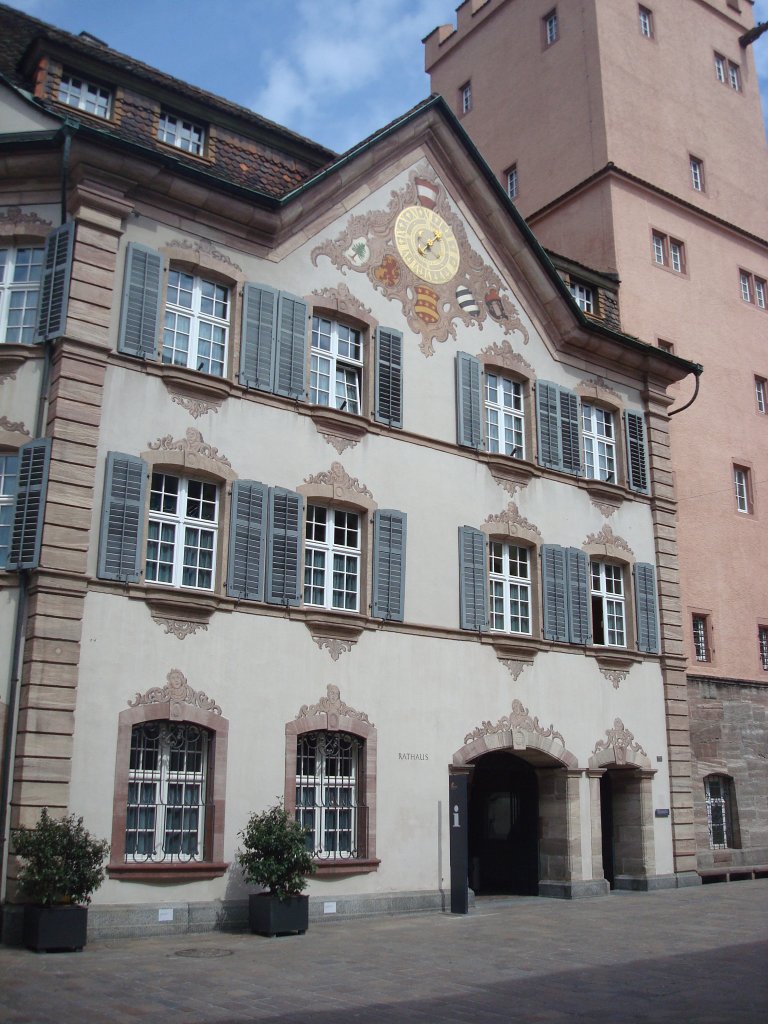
(275, 857)
(62, 866)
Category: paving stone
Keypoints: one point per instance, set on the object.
(697, 956)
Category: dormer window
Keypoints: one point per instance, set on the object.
(181, 133)
(84, 95)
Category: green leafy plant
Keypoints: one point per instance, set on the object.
(62, 861)
(274, 853)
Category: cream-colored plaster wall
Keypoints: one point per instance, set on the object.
(21, 116)
(422, 694)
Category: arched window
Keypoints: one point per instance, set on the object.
(170, 784)
(330, 783)
(330, 802)
(721, 811)
(168, 799)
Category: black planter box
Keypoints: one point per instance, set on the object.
(268, 915)
(47, 929)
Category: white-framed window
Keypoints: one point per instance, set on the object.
(182, 531)
(328, 805)
(551, 27)
(196, 326)
(646, 21)
(584, 296)
(666, 346)
(697, 173)
(181, 133)
(743, 486)
(332, 548)
(727, 72)
(762, 645)
(20, 271)
(511, 182)
(668, 252)
(166, 807)
(717, 795)
(504, 415)
(336, 365)
(465, 97)
(78, 92)
(701, 645)
(510, 587)
(9, 474)
(608, 604)
(753, 289)
(761, 395)
(599, 433)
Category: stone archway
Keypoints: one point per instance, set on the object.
(539, 751)
(621, 803)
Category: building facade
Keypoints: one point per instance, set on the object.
(320, 486)
(624, 133)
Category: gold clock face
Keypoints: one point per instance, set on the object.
(426, 244)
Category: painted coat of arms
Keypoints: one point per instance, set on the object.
(417, 252)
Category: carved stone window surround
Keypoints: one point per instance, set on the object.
(331, 714)
(179, 703)
(341, 305)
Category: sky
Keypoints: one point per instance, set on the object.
(332, 70)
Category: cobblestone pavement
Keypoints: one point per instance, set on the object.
(688, 956)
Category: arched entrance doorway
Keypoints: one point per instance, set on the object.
(503, 826)
(523, 833)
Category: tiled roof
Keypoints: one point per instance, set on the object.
(250, 150)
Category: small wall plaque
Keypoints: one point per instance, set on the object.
(661, 812)
(165, 914)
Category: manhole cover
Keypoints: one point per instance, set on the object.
(207, 953)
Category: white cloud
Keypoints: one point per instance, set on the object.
(336, 51)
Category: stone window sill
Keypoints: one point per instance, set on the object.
(167, 872)
(346, 428)
(12, 356)
(508, 469)
(604, 493)
(612, 659)
(340, 868)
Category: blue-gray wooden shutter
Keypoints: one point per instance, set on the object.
(469, 401)
(284, 547)
(258, 339)
(29, 510)
(141, 308)
(637, 453)
(122, 518)
(570, 431)
(554, 592)
(388, 584)
(247, 540)
(54, 284)
(472, 579)
(291, 347)
(579, 600)
(388, 404)
(646, 608)
(548, 424)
